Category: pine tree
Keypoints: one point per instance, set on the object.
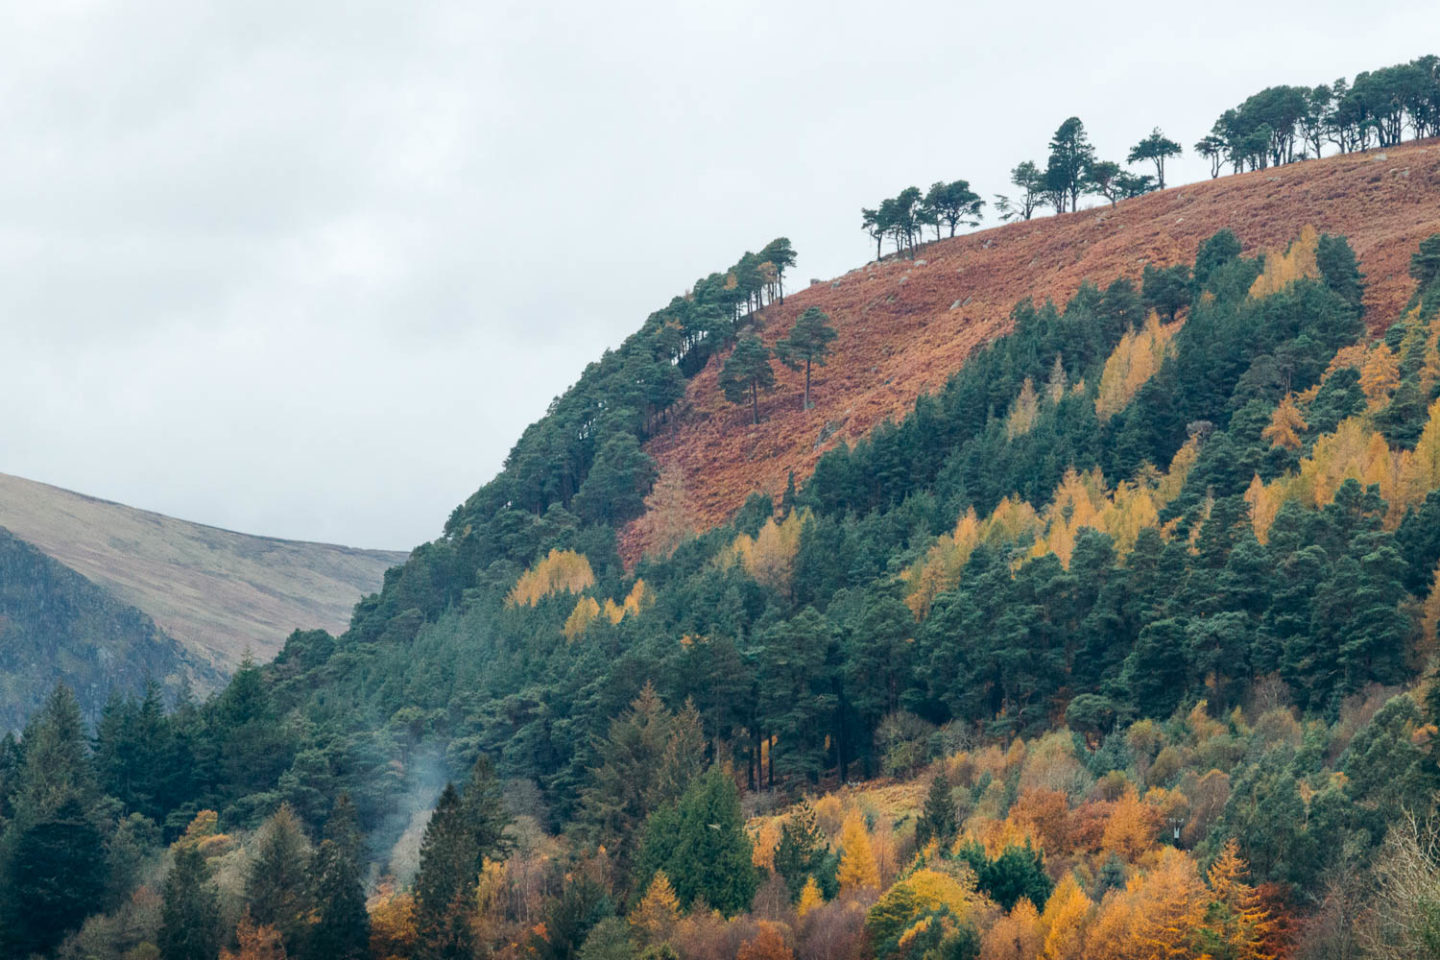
(807, 343)
(447, 873)
(342, 925)
(937, 822)
(746, 373)
(801, 849)
(277, 889)
(190, 916)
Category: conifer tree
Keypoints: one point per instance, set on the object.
(342, 925)
(746, 373)
(654, 917)
(448, 872)
(702, 846)
(1155, 148)
(807, 343)
(858, 867)
(810, 898)
(278, 887)
(190, 916)
(801, 850)
(937, 822)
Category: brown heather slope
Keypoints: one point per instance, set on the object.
(219, 593)
(905, 327)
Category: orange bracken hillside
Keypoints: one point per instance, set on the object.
(905, 327)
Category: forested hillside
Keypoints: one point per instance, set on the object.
(1118, 643)
(58, 627)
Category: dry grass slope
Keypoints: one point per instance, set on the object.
(906, 326)
(217, 592)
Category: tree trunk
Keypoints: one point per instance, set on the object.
(754, 403)
(806, 405)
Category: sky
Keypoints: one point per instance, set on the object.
(307, 270)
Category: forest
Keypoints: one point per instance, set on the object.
(959, 694)
(1121, 644)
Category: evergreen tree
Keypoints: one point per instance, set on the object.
(342, 925)
(746, 373)
(54, 876)
(1070, 156)
(702, 846)
(807, 343)
(448, 874)
(190, 916)
(937, 821)
(1155, 148)
(801, 851)
(278, 888)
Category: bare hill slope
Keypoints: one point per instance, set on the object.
(217, 592)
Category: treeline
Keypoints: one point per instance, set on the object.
(1280, 124)
(1283, 124)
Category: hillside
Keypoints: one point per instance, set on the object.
(217, 592)
(56, 626)
(905, 326)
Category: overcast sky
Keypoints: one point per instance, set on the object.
(308, 269)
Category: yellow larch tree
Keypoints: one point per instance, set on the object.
(1380, 375)
(858, 866)
(562, 571)
(584, 614)
(763, 843)
(810, 898)
(769, 556)
(1066, 918)
(669, 518)
(1056, 386)
(1019, 935)
(1023, 411)
(1286, 425)
(393, 933)
(1236, 917)
(655, 916)
(1284, 269)
(1156, 917)
(1132, 828)
(1135, 359)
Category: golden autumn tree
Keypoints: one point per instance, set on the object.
(1065, 920)
(669, 518)
(561, 571)
(1286, 425)
(1156, 917)
(255, 942)
(1019, 935)
(810, 898)
(393, 934)
(1132, 828)
(1379, 375)
(769, 556)
(587, 609)
(1023, 411)
(655, 916)
(1238, 925)
(858, 866)
(1135, 359)
(1284, 269)
(767, 944)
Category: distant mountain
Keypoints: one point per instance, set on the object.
(216, 592)
(56, 626)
